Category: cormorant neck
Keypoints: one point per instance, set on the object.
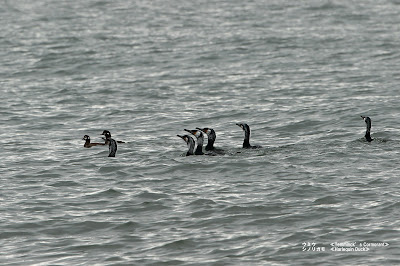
(212, 135)
(368, 136)
(368, 122)
(191, 147)
(210, 145)
(246, 142)
(368, 131)
(199, 148)
(87, 142)
(211, 140)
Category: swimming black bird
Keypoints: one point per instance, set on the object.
(200, 140)
(368, 132)
(105, 139)
(211, 139)
(190, 142)
(87, 142)
(246, 142)
(112, 144)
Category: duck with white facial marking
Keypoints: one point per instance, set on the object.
(88, 144)
(211, 139)
(246, 142)
(190, 143)
(368, 132)
(112, 144)
(200, 140)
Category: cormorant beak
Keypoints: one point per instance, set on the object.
(363, 117)
(190, 131)
(202, 130)
(195, 132)
(183, 137)
(240, 125)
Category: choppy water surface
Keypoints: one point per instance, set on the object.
(300, 73)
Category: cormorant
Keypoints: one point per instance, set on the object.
(211, 139)
(368, 132)
(246, 142)
(200, 139)
(190, 143)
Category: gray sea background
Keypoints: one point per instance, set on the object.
(299, 73)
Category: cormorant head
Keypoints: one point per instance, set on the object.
(186, 138)
(86, 137)
(366, 118)
(367, 121)
(205, 130)
(195, 132)
(244, 126)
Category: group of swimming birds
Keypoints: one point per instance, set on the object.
(198, 133)
(210, 149)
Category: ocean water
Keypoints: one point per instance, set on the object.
(300, 73)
